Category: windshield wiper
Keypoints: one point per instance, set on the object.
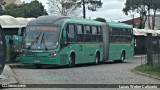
(34, 41)
(44, 42)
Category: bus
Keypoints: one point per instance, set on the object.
(2, 50)
(54, 40)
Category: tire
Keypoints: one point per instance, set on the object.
(97, 59)
(122, 57)
(71, 61)
(38, 66)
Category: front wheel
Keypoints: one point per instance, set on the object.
(122, 57)
(71, 61)
(97, 59)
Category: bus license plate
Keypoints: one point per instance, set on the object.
(36, 61)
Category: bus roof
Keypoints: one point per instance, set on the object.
(83, 21)
(51, 20)
(59, 20)
(119, 25)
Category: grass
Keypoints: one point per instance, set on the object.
(152, 70)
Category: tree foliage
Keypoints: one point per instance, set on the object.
(142, 7)
(69, 7)
(63, 7)
(91, 4)
(32, 9)
(100, 19)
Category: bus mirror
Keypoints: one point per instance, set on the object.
(64, 34)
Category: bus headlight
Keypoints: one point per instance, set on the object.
(53, 54)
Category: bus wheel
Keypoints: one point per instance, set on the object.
(97, 59)
(38, 66)
(122, 57)
(71, 61)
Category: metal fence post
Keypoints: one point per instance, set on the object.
(149, 49)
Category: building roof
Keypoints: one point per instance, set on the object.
(143, 32)
(7, 21)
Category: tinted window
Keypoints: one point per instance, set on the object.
(120, 35)
(71, 33)
(96, 34)
(87, 36)
(80, 32)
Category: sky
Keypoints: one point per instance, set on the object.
(111, 10)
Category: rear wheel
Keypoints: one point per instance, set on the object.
(38, 66)
(71, 61)
(97, 59)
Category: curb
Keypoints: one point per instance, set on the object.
(144, 74)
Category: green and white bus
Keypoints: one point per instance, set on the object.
(68, 41)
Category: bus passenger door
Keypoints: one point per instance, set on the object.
(79, 43)
(63, 48)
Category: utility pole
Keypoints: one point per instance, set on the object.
(84, 9)
(133, 20)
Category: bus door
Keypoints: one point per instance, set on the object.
(2, 50)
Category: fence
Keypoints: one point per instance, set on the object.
(153, 52)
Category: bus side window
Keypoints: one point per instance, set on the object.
(71, 33)
(129, 35)
(87, 30)
(100, 34)
(94, 34)
(80, 33)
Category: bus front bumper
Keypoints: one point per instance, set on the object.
(39, 60)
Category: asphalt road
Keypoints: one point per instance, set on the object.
(105, 73)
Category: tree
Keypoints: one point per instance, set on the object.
(143, 7)
(11, 9)
(100, 19)
(155, 7)
(63, 7)
(32, 9)
(137, 6)
(149, 4)
(92, 5)
(2, 2)
(69, 7)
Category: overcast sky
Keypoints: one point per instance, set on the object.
(111, 10)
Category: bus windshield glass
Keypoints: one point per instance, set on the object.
(41, 37)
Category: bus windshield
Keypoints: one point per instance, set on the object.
(41, 37)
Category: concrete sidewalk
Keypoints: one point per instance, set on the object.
(7, 76)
